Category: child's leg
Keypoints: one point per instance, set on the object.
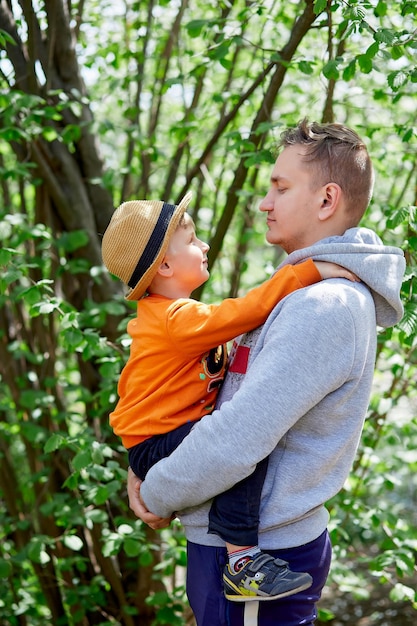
(152, 450)
(234, 514)
(250, 574)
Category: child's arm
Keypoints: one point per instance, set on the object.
(198, 327)
(332, 270)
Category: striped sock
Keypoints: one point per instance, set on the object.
(238, 558)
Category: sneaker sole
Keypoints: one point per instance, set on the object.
(284, 594)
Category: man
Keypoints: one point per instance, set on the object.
(304, 396)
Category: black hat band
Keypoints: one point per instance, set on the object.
(154, 244)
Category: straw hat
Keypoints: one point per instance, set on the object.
(137, 238)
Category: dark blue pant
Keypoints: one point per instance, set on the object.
(234, 514)
(206, 595)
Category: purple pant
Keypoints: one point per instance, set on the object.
(210, 607)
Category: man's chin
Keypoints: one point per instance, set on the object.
(271, 238)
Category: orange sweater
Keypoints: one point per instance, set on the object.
(176, 364)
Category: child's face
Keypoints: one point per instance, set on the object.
(187, 256)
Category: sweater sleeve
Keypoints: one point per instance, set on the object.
(197, 327)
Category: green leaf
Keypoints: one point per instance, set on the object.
(115, 308)
(5, 39)
(73, 240)
(125, 529)
(398, 217)
(397, 52)
(195, 27)
(103, 493)
(402, 593)
(167, 615)
(349, 71)
(132, 547)
(71, 133)
(319, 6)
(73, 337)
(6, 230)
(381, 9)
(31, 398)
(73, 542)
(226, 63)
(365, 63)
(408, 135)
(32, 295)
(372, 50)
(397, 79)
(54, 443)
(6, 255)
(159, 598)
(146, 558)
(97, 516)
(72, 481)
(331, 70)
(49, 133)
(81, 460)
(325, 615)
(5, 568)
(97, 455)
(384, 35)
(112, 545)
(306, 67)
(358, 12)
(14, 134)
(45, 308)
(408, 322)
(260, 156)
(220, 51)
(37, 552)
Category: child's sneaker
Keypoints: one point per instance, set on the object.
(263, 578)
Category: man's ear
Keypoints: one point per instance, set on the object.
(165, 269)
(331, 197)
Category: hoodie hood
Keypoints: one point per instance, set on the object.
(381, 268)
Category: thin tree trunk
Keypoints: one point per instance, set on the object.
(301, 27)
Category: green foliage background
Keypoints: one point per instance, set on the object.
(105, 101)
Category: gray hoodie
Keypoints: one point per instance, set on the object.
(302, 402)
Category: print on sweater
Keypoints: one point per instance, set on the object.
(214, 366)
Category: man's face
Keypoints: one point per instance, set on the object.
(292, 202)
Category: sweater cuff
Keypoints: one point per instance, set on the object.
(307, 272)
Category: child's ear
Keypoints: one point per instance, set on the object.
(165, 269)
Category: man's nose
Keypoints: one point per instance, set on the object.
(267, 203)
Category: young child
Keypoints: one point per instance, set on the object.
(177, 363)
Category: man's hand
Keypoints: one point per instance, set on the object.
(138, 506)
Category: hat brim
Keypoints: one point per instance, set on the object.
(140, 288)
